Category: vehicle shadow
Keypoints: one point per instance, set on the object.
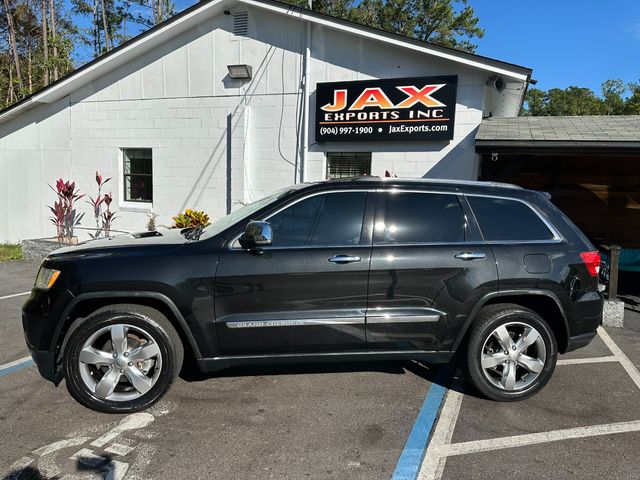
(442, 375)
(99, 466)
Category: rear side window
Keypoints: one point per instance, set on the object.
(423, 218)
(501, 219)
(330, 219)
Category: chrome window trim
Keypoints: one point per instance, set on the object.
(300, 247)
(311, 195)
(428, 244)
(557, 238)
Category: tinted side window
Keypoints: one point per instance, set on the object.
(331, 219)
(508, 220)
(423, 218)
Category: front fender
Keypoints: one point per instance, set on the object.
(127, 297)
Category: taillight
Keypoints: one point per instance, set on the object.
(592, 262)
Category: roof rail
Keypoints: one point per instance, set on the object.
(443, 181)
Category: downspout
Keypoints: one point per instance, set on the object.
(305, 94)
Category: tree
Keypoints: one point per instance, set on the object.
(45, 41)
(612, 93)
(53, 30)
(11, 33)
(451, 23)
(35, 46)
(632, 103)
(572, 101)
(616, 99)
(439, 22)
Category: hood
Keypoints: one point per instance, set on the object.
(165, 240)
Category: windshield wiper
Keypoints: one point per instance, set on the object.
(192, 233)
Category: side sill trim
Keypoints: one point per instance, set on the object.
(402, 319)
(294, 322)
(219, 363)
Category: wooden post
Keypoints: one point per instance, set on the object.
(614, 252)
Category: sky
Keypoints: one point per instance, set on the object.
(565, 42)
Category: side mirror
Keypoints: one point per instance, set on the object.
(256, 234)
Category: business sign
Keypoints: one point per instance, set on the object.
(418, 108)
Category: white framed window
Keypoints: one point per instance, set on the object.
(136, 177)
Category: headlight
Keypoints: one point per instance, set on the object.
(46, 278)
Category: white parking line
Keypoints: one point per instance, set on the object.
(440, 446)
(476, 446)
(14, 363)
(15, 295)
(580, 361)
(433, 465)
(622, 358)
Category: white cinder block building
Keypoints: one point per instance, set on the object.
(164, 118)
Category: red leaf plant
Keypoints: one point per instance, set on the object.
(64, 213)
(108, 216)
(96, 204)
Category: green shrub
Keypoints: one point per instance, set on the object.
(10, 251)
(191, 219)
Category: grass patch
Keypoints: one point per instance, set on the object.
(9, 251)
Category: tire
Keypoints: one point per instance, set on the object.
(532, 349)
(122, 358)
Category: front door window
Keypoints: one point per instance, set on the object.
(321, 220)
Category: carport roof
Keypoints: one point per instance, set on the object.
(597, 131)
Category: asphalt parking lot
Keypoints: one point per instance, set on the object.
(368, 421)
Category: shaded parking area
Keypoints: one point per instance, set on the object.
(327, 421)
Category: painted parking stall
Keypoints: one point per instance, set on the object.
(15, 366)
(441, 449)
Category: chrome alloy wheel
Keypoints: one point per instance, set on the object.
(120, 362)
(513, 356)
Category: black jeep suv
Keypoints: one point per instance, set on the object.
(358, 269)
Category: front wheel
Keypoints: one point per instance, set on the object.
(511, 354)
(122, 359)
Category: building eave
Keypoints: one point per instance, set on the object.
(556, 146)
(120, 55)
(491, 65)
(190, 17)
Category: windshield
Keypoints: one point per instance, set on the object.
(243, 212)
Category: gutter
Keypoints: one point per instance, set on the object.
(560, 146)
(306, 95)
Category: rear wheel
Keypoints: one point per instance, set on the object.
(122, 359)
(511, 354)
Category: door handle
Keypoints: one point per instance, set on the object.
(344, 259)
(469, 256)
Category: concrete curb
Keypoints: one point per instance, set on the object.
(38, 248)
(613, 313)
